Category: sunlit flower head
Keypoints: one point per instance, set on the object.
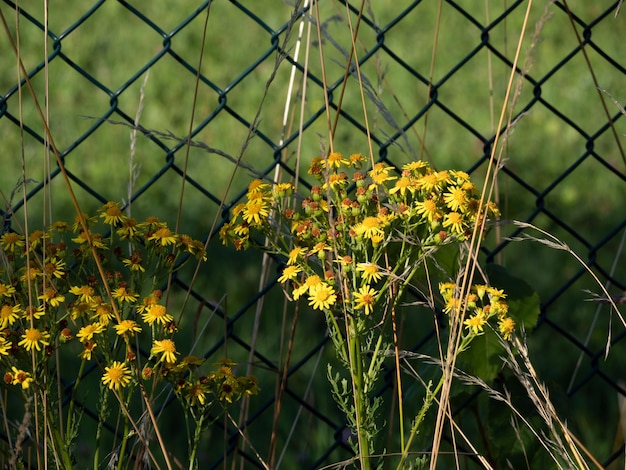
(52, 297)
(84, 293)
(116, 375)
(34, 339)
(370, 227)
(166, 348)
(87, 332)
(255, 211)
(476, 322)
(309, 283)
(365, 299)
(322, 296)
(454, 220)
(456, 199)
(506, 326)
(295, 254)
(20, 377)
(129, 327)
(335, 160)
(370, 272)
(289, 273)
(428, 210)
(157, 313)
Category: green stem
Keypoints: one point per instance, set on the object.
(356, 370)
(120, 460)
(193, 465)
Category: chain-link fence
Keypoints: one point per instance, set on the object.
(430, 93)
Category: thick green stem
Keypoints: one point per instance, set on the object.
(356, 369)
(193, 465)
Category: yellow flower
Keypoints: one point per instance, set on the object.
(454, 220)
(379, 173)
(402, 185)
(127, 326)
(123, 295)
(156, 313)
(476, 322)
(428, 210)
(369, 228)
(52, 297)
(87, 351)
(20, 377)
(112, 214)
(116, 376)
(506, 325)
(36, 238)
(365, 299)
(5, 346)
(86, 332)
(289, 273)
(103, 313)
(129, 229)
(197, 393)
(55, 267)
(34, 339)
(456, 199)
(166, 348)
(255, 210)
(322, 296)
(256, 186)
(370, 272)
(79, 309)
(8, 315)
(96, 239)
(335, 160)
(11, 241)
(6, 290)
(415, 167)
(84, 293)
(164, 237)
(309, 283)
(134, 262)
(295, 254)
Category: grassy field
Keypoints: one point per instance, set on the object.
(567, 178)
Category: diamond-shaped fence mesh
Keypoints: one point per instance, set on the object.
(434, 76)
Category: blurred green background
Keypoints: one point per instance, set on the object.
(562, 169)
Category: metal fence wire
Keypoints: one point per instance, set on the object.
(564, 166)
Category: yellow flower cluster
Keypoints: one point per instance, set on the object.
(103, 320)
(346, 226)
(483, 304)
